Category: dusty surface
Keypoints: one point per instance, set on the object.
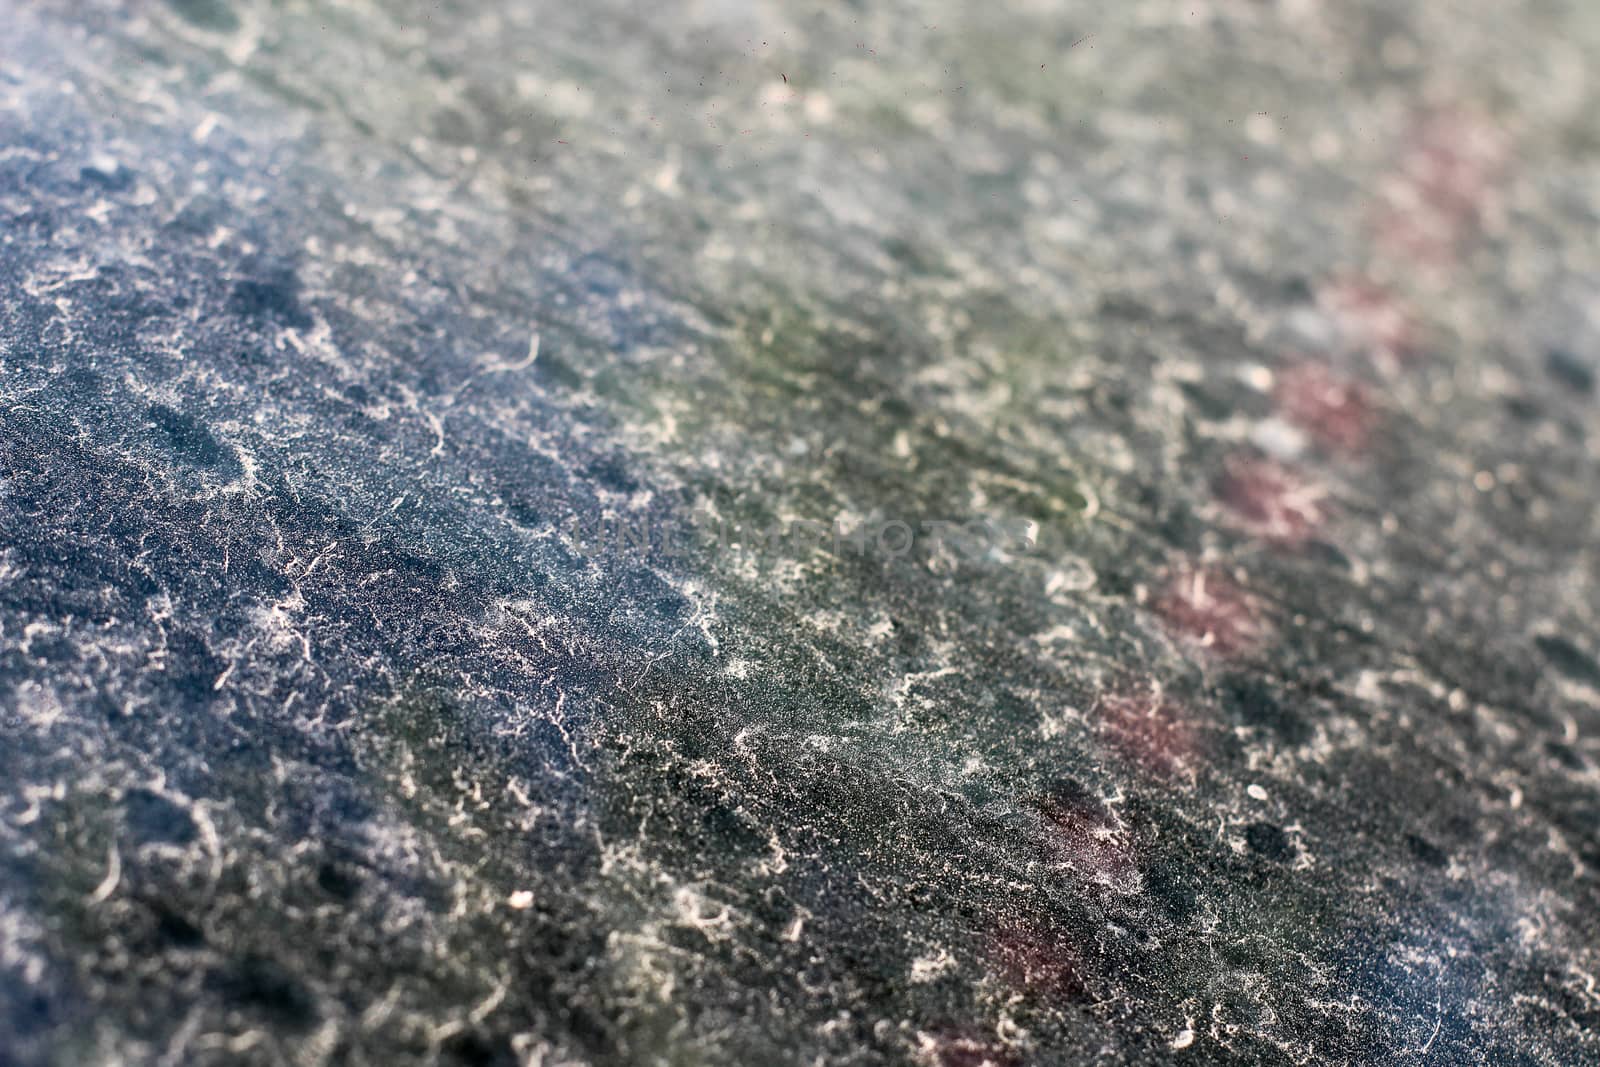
(1257, 725)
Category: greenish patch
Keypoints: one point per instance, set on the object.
(420, 753)
(207, 14)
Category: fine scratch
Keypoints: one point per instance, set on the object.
(1438, 1022)
(108, 885)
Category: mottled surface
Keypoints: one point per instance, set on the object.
(1270, 328)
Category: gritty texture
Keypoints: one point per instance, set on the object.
(1270, 327)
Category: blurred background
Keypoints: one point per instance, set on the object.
(1274, 324)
